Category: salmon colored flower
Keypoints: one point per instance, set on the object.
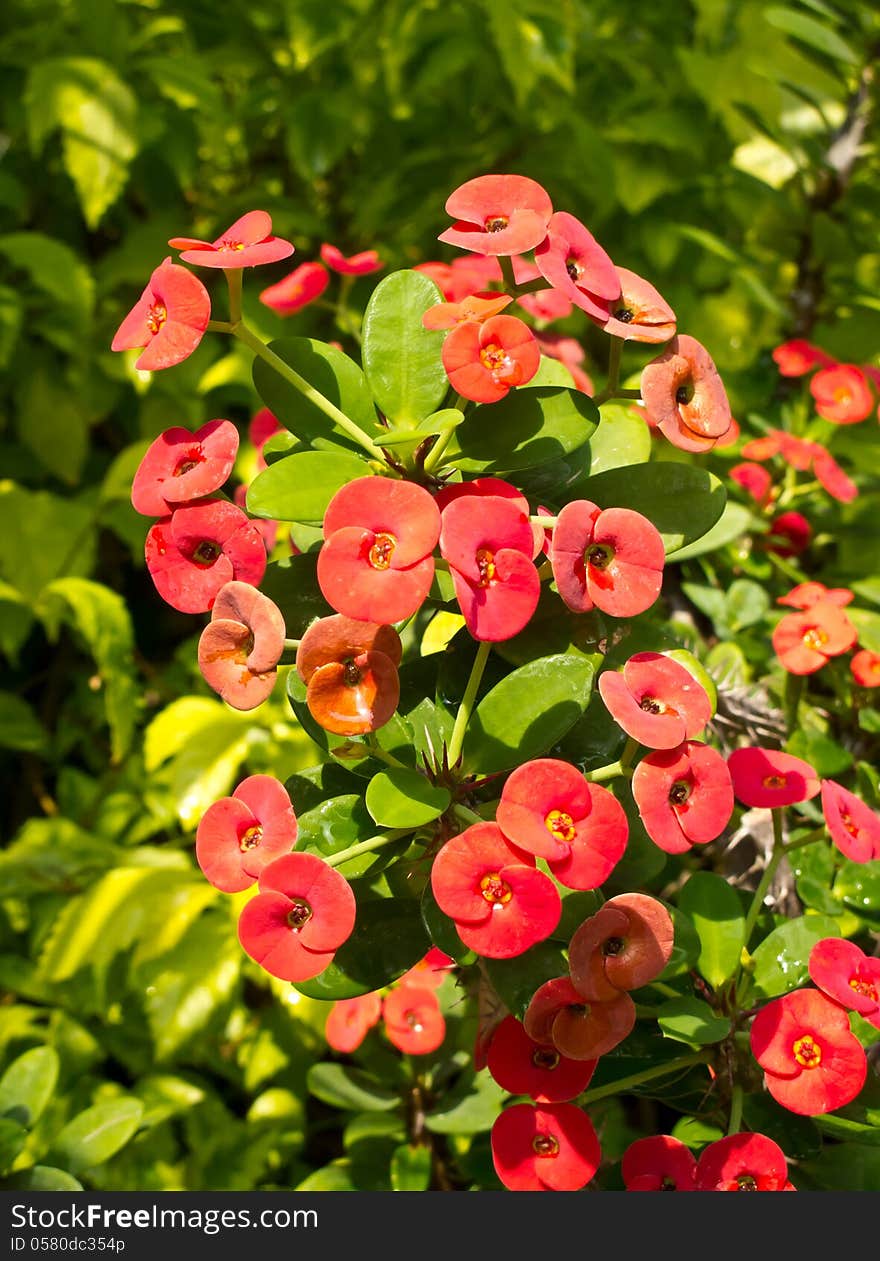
(498, 215)
(865, 667)
(789, 534)
(198, 549)
(551, 1147)
(571, 354)
(413, 1020)
(806, 641)
(350, 669)
(684, 796)
(500, 903)
(764, 448)
(490, 486)
(798, 357)
(239, 835)
(611, 559)
(845, 973)
(303, 913)
(442, 276)
(768, 778)
(842, 394)
(575, 264)
(755, 480)
(180, 466)
(268, 529)
(168, 320)
(471, 275)
(806, 594)
(263, 425)
(246, 243)
(485, 361)
(241, 646)
(376, 563)
(430, 972)
(640, 314)
(743, 1162)
(547, 304)
(659, 1163)
(559, 1014)
(838, 484)
(548, 809)
(854, 827)
(350, 1020)
(812, 1062)
(355, 265)
(303, 285)
(655, 700)
(522, 1066)
(684, 393)
(475, 309)
(625, 945)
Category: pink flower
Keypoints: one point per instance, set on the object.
(640, 314)
(485, 361)
(168, 320)
(246, 243)
(842, 394)
(854, 827)
(768, 778)
(743, 1162)
(575, 264)
(849, 976)
(303, 285)
(798, 357)
(241, 646)
(198, 549)
(498, 214)
(355, 265)
(350, 1020)
(551, 1147)
(180, 466)
(685, 395)
(612, 559)
(239, 835)
(655, 700)
(684, 796)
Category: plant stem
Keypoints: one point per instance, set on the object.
(615, 769)
(464, 815)
(376, 751)
(794, 689)
(234, 282)
(218, 326)
(736, 1107)
(549, 523)
(456, 740)
(436, 453)
(639, 1079)
(293, 644)
(507, 277)
(767, 878)
(611, 387)
(366, 847)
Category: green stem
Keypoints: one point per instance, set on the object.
(234, 282)
(383, 755)
(639, 1079)
(218, 326)
(736, 1108)
(464, 815)
(456, 740)
(366, 847)
(611, 387)
(791, 572)
(614, 770)
(435, 455)
(794, 690)
(767, 878)
(549, 523)
(507, 277)
(662, 988)
(293, 644)
(817, 834)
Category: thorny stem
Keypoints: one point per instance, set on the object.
(456, 740)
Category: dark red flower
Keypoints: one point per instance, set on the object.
(522, 1066)
(559, 1014)
(413, 1020)
(303, 285)
(180, 466)
(769, 778)
(655, 700)
(798, 357)
(350, 1020)
(845, 973)
(246, 243)
(639, 314)
(612, 559)
(355, 265)
(239, 835)
(743, 1162)
(625, 945)
(806, 641)
(865, 667)
(789, 534)
(684, 796)
(548, 1148)
(842, 394)
(350, 669)
(755, 480)
(198, 549)
(498, 214)
(685, 395)
(168, 320)
(659, 1163)
(484, 361)
(576, 265)
(854, 827)
(241, 646)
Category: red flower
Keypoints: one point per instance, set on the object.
(812, 1062)
(303, 913)
(168, 320)
(548, 809)
(239, 835)
(198, 549)
(655, 700)
(685, 395)
(842, 394)
(500, 903)
(865, 667)
(549, 1148)
(376, 563)
(268, 529)
(659, 1163)
(303, 285)
(806, 594)
(180, 466)
(350, 1020)
(355, 265)
(471, 275)
(489, 543)
(768, 778)
(789, 534)
(798, 357)
(246, 243)
(575, 264)
(484, 486)
(639, 314)
(441, 274)
(806, 641)
(484, 361)
(684, 796)
(743, 1162)
(831, 475)
(429, 973)
(545, 305)
(522, 1066)
(559, 1014)
(350, 669)
(764, 448)
(413, 1020)
(241, 645)
(475, 309)
(263, 425)
(755, 480)
(611, 559)
(498, 214)
(849, 976)
(626, 944)
(854, 827)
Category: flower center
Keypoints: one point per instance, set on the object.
(684, 393)
(599, 556)
(746, 1182)
(651, 705)
(815, 638)
(189, 461)
(574, 269)
(496, 223)
(625, 315)
(668, 1184)
(613, 946)
(351, 674)
(486, 565)
(414, 1022)
(849, 823)
(382, 550)
(807, 1052)
(495, 890)
(206, 552)
(250, 838)
(679, 792)
(226, 246)
(545, 1057)
(774, 781)
(497, 361)
(156, 317)
(299, 915)
(866, 988)
(545, 1145)
(561, 825)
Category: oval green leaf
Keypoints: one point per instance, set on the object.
(389, 937)
(26, 1086)
(97, 1134)
(682, 501)
(527, 428)
(718, 917)
(401, 358)
(299, 487)
(410, 1168)
(781, 962)
(343, 1087)
(401, 798)
(693, 1021)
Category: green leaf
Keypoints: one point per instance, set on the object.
(718, 918)
(470, 1107)
(828, 758)
(858, 886)
(299, 487)
(335, 825)
(332, 374)
(187, 986)
(441, 929)
(693, 1021)
(205, 743)
(26, 1086)
(53, 423)
(410, 1168)
(53, 267)
(622, 439)
(401, 798)
(53, 856)
(516, 980)
(527, 712)
(97, 1134)
(333, 1177)
(41, 1178)
(389, 938)
(868, 626)
(19, 726)
(682, 501)
(529, 427)
(343, 1087)
(12, 1140)
(401, 358)
(41, 536)
(811, 32)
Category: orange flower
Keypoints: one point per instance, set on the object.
(805, 641)
(350, 669)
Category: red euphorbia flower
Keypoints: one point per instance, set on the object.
(198, 549)
(789, 534)
(483, 486)
(263, 425)
(659, 1163)
(655, 700)
(576, 265)
(812, 1062)
(840, 486)
(743, 1162)
(849, 976)
(854, 827)
(755, 480)
(684, 796)
(798, 357)
(764, 448)
(498, 215)
(303, 913)
(806, 594)
(559, 1014)
(429, 973)
(246, 243)
(241, 646)
(268, 529)
(639, 314)
(442, 276)
(168, 320)
(548, 1148)
(484, 361)
(806, 641)
(549, 809)
(500, 902)
(625, 945)
(545, 305)
(350, 669)
(376, 563)
(180, 466)
(472, 274)
(350, 1020)
(474, 309)
(768, 778)
(684, 393)
(865, 667)
(355, 265)
(239, 835)
(522, 1066)
(842, 394)
(611, 559)
(413, 1020)
(571, 354)
(303, 285)
(489, 543)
